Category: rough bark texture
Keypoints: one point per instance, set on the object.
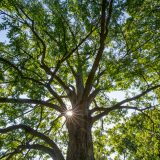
(80, 145)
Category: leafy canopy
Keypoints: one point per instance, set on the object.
(61, 49)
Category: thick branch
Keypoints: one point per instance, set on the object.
(54, 149)
(119, 104)
(103, 35)
(30, 101)
(137, 96)
(118, 107)
(108, 110)
(36, 81)
(43, 149)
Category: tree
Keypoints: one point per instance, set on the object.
(138, 137)
(62, 60)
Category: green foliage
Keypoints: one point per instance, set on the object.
(51, 50)
(137, 137)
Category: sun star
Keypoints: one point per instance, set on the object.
(69, 113)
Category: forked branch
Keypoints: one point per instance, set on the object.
(104, 32)
(120, 105)
(53, 150)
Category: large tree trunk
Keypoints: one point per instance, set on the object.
(80, 145)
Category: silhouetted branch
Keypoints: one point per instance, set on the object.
(104, 32)
(54, 151)
(120, 105)
(30, 101)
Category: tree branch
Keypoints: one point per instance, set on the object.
(19, 71)
(57, 97)
(77, 46)
(103, 35)
(71, 68)
(138, 96)
(54, 151)
(31, 101)
(93, 94)
(32, 27)
(119, 104)
(70, 92)
(43, 149)
(64, 86)
(107, 110)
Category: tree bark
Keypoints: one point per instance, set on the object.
(80, 146)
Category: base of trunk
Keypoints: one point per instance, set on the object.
(80, 145)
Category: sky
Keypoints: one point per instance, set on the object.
(3, 37)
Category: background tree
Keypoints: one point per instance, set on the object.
(137, 137)
(67, 56)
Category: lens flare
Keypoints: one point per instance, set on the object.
(69, 113)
